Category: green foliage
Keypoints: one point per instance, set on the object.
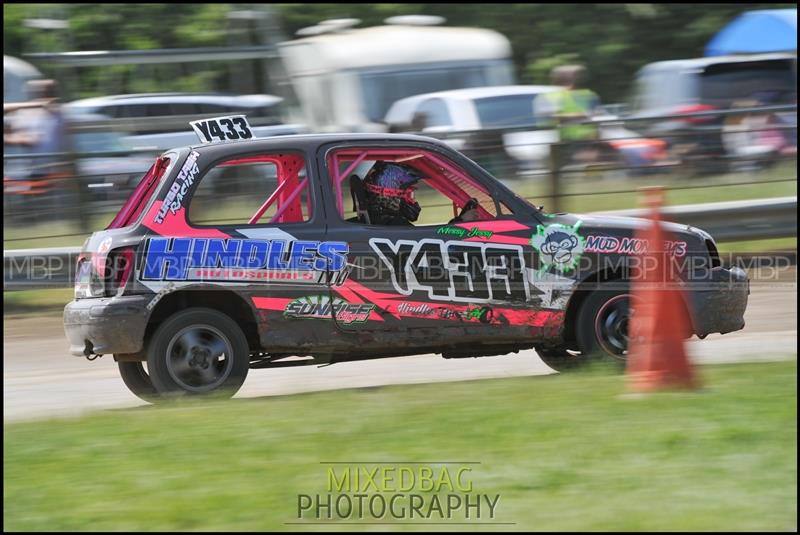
(538, 71)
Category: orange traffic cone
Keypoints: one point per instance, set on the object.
(656, 355)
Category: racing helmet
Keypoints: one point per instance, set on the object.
(390, 193)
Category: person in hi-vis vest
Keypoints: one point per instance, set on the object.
(566, 108)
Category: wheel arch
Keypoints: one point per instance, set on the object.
(224, 300)
(591, 283)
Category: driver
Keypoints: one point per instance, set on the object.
(390, 193)
(389, 189)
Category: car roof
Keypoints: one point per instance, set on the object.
(317, 139)
(174, 98)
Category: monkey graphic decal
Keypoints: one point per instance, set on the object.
(559, 246)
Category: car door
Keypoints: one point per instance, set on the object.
(245, 218)
(439, 279)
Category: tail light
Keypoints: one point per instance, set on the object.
(104, 275)
(87, 279)
(119, 266)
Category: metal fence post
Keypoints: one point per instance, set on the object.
(75, 186)
(555, 176)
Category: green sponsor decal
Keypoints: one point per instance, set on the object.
(560, 246)
(321, 307)
(460, 232)
(475, 313)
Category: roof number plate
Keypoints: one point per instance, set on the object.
(219, 129)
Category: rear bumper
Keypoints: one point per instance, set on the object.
(718, 303)
(106, 325)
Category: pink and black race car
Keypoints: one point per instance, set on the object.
(239, 254)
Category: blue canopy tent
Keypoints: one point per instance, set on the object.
(768, 30)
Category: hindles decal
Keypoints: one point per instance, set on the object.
(173, 201)
(244, 260)
(456, 271)
(560, 246)
(321, 307)
(611, 244)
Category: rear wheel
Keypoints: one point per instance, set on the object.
(198, 351)
(137, 380)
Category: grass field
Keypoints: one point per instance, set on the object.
(564, 452)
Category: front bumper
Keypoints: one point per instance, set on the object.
(106, 325)
(717, 303)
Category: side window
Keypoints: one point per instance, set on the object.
(441, 192)
(184, 108)
(130, 111)
(111, 111)
(266, 188)
(435, 112)
(205, 108)
(159, 110)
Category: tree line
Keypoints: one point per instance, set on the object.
(612, 40)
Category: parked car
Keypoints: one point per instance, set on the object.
(475, 121)
(156, 120)
(189, 289)
(260, 108)
(105, 165)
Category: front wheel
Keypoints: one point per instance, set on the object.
(602, 327)
(561, 359)
(198, 351)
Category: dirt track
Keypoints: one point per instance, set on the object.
(41, 379)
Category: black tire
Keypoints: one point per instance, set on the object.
(561, 359)
(138, 381)
(198, 351)
(601, 329)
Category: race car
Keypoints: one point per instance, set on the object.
(234, 254)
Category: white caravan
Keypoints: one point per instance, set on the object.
(346, 79)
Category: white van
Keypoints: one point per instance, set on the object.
(346, 79)
(665, 87)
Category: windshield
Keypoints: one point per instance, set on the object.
(506, 111)
(382, 88)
